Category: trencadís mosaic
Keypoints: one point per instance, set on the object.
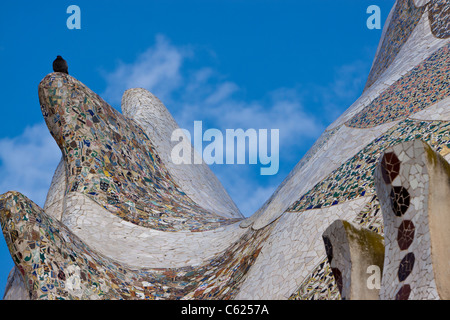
(404, 19)
(421, 87)
(56, 264)
(354, 178)
(111, 160)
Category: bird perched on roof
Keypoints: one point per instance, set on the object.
(60, 65)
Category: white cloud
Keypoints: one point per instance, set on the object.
(156, 69)
(27, 163)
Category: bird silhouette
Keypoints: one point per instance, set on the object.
(60, 65)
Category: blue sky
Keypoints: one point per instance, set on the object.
(291, 65)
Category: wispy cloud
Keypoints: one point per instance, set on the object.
(157, 69)
(27, 163)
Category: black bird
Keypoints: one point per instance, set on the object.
(60, 65)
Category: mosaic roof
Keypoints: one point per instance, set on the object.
(111, 159)
(111, 164)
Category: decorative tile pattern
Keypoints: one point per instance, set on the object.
(403, 293)
(404, 19)
(423, 86)
(355, 250)
(406, 266)
(56, 264)
(405, 202)
(405, 236)
(390, 167)
(196, 180)
(370, 217)
(320, 285)
(116, 238)
(111, 160)
(354, 178)
(317, 146)
(339, 256)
